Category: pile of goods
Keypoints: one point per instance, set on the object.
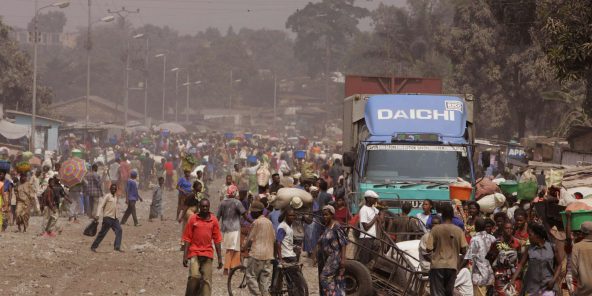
(295, 197)
(188, 162)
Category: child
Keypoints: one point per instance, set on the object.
(156, 206)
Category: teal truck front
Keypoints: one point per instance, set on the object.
(407, 147)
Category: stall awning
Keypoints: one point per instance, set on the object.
(13, 131)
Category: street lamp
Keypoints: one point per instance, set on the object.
(104, 19)
(138, 36)
(231, 83)
(176, 70)
(163, 56)
(188, 84)
(62, 4)
(127, 69)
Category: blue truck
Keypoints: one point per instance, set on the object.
(407, 147)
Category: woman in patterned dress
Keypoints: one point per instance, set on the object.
(332, 245)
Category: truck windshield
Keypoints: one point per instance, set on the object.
(416, 163)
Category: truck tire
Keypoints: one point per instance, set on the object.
(357, 279)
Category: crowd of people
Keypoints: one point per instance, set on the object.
(245, 225)
(462, 250)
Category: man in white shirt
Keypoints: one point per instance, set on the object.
(369, 217)
(286, 253)
(108, 209)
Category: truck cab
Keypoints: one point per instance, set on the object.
(407, 147)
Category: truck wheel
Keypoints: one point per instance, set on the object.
(357, 279)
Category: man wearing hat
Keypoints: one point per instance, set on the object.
(582, 260)
(369, 218)
(260, 244)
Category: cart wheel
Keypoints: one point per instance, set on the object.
(357, 279)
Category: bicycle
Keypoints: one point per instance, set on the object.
(287, 279)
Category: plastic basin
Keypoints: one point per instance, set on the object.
(509, 187)
(460, 193)
(527, 190)
(300, 154)
(577, 218)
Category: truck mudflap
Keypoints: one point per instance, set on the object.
(391, 271)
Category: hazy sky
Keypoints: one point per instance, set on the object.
(186, 16)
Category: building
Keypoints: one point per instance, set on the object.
(46, 134)
(580, 146)
(46, 38)
(99, 110)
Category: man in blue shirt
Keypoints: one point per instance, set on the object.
(133, 196)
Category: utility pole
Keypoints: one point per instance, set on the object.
(123, 13)
(126, 96)
(63, 4)
(230, 96)
(163, 56)
(88, 45)
(146, 83)
(34, 103)
(187, 103)
(274, 99)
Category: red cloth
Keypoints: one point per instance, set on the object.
(200, 233)
(355, 221)
(124, 170)
(168, 166)
(342, 215)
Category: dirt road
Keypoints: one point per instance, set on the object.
(65, 265)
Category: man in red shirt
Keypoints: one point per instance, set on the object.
(170, 169)
(200, 231)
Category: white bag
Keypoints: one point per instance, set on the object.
(284, 196)
(528, 176)
(488, 203)
(554, 177)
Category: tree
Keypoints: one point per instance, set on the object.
(518, 57)
(471, 44)
(16, 81)
(51, 21)
(403, 41)
(567, 41)
(323, 32)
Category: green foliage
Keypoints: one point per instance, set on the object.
(323, 32)
(567, 41)
(404, 41)
(16, 80)
(51, 21)
(208, 56)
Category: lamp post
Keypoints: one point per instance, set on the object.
(63, 4)
(163, 80)
(127, 69)
(145, 88)
(188, 84)
(274, 99)
(232, 81)
(176, 70)
(104, 19)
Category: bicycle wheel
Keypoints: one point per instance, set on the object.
(237, 281)
(296, 284)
